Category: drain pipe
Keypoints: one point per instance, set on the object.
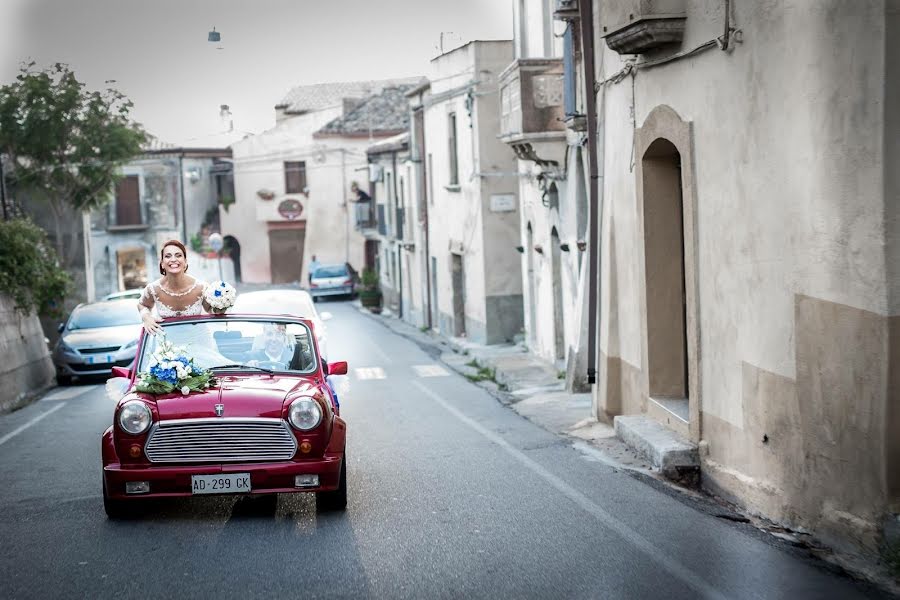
(595, 199)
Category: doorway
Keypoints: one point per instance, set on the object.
(458, 281)
(532, 299)
(663, 212)
(131, 266)
(286, 254)
(233, 251)
(559, 335)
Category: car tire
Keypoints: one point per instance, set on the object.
(64, 380)
(337, 499)
(118, 509)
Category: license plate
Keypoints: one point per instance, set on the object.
(92, 360)
(232, 483)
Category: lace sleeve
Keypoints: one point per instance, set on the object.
(148, 297)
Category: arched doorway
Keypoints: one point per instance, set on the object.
(559, 335)
(667, 340)
(232, 248)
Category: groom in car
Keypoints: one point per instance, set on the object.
(276, 348)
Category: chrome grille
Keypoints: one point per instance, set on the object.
(217, 440)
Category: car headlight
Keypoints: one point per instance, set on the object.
(305, 414)
(64, 348)
(135, 417)
(130, 344)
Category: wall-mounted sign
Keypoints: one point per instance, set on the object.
(290, 209)
(503, 202)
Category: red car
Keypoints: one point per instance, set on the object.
(269, 423)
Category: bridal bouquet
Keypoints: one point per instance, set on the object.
(220, 296)
(171, 370)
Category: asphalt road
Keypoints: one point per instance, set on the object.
(452, 495)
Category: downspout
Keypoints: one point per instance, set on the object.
(181, 193)
(397, 227)
(423, 199)
(595, 200)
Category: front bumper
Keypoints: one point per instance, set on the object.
(265, 478)
(87, 365)
(344, 290)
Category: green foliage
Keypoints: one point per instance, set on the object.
(369, 279)
(64, 138)
(197, 383)
(226, 202)
(483, 373)
(29, 269)
(196, 243)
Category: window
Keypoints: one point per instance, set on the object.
(569, 72)
(454, 163)
(128, 201)
(294, 177)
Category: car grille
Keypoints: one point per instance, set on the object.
(220, 441)
(86, 368)
(99, 350)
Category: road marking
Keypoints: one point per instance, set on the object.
(19, 430)
(673, 566)
(68, 393)
(369, 373)
(430, 371)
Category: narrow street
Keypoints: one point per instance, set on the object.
(452, 495)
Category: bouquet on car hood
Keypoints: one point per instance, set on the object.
(220, 296)
(172, 370)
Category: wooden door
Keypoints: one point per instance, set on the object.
(128, 201)
(286, 254)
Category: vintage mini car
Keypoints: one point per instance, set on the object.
(268, 424)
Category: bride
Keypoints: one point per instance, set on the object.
(175, 294)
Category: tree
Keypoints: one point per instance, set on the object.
(65, 141)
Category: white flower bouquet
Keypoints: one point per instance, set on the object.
(220, 296)
(170, 370)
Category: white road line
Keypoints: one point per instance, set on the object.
(370, 373)
(67, 393)
(430, 371)
(673, 566)
(19, 430)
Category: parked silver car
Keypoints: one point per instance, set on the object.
(331, 280)
(95, 338)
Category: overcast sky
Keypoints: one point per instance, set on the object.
(158, 54)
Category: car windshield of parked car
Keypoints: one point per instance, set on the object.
(235, 343)
(273, 303)
(104, 314)
(330, 271)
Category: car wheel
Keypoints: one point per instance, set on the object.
(117, 509)
(336, 500)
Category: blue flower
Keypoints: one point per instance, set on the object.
(222, 284)
(218, 293)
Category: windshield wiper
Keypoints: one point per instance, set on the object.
(240, 366)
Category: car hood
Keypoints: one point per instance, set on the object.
(241, 396)
(101, 337)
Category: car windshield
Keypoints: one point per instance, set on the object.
(229, 343)
(104, 314)
(275, 303)
(331, 271)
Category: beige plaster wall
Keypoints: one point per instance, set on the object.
(794, 146)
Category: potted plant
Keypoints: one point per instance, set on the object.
(370, 292)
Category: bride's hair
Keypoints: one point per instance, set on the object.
(163, 250)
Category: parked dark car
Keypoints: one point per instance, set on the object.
(96, 337)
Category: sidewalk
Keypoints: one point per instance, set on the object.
(532, 387)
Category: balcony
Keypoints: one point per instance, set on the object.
(639, 26)
(532, 108)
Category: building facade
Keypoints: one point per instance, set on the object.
(293, 181)
(473, 200)
(167, 193)
(749, 293)
(542, 122)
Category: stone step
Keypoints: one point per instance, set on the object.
(676, 457)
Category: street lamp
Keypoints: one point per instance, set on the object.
(214, 36)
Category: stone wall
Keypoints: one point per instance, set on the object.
(26, 367)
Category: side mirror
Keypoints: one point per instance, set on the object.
(337, 368)
(121, 372)
(325, 316)
(60, 327)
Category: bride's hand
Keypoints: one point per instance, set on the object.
(151, 323)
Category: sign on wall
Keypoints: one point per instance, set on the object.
(503, 202)
(290, 209)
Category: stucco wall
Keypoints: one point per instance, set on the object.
(794, 191)
(26, 368)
